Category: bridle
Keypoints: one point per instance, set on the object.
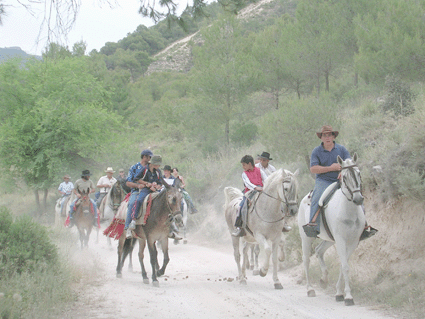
(285, 201)
(351, 192)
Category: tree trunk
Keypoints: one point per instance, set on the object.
(37, 198)
(46, 192)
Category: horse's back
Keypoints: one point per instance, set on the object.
(304, 211)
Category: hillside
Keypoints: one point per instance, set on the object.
(13, 52)
(178, 55)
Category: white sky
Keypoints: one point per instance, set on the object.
(96, 24)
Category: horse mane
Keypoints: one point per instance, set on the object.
(275, 178)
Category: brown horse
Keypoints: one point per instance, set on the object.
(84, 217)
(165, 207)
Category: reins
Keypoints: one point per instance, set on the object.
(349, 190)
(286, 201)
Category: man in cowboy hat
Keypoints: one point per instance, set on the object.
(105, 183)
(82, 184)
(264, 164)
(324, 164)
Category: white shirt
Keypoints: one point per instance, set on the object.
(66, 187)
(268, 170)
(104, 180)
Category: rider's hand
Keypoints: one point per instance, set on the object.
(259, 189)
(335, 167)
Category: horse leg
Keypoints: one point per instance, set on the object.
(268, 251)
(344, 252)
(237, 256)
(245, 261)
(256, 249)
(250, 261)
(164, 247)
(275, 247)
(142, 245)
(320, 251)
(120, 250)
(153, 254)
(306, 247)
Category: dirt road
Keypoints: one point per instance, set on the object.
(199, 283)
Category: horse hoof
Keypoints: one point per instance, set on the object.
(349, 302)
(119, 275)
(339, 298)
(278, 286)
(323, 284)
(145, 280)
(311, 293)
(255, 272)
(243, 282)
(155, 283)
(262, 273)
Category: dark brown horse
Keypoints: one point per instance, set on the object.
(84, 217)
(165, 207)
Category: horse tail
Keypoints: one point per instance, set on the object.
(231, 193)
(128, 246)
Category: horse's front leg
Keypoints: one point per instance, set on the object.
(120, 253)
(267, 250)
(142, 245)
(164, 247)
(153, 254)
(237, 256)
(344, 253)
(275, 247)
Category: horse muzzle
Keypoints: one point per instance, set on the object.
(358, 198)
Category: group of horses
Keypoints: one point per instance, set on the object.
(345, 222)
(164, 209)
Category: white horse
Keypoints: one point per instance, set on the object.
(265, 219)
(183, 223)
(346, 220)
(60, 216)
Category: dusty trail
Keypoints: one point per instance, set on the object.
(199, 283)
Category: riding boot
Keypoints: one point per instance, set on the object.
(368, 232)
(239, 231)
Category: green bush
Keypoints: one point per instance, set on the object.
(24, 245)
(399, 97)
(244, 134)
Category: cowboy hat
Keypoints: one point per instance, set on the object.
(265, 155)
(326, 129)
(109, 170)
(156, 160)
(86, 172)
(67, 176)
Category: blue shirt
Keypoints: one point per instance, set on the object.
(322, 157)
(133, 172)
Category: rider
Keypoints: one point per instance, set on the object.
(122, 179)
(81, 185)
(105, 183)
(65, 189)
(264, 164)
(168, 177)
(135, 187)
(186, 195)
(324, 164)
(253, 179)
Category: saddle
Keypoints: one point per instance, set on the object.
(144, 212)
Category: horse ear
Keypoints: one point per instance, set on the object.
(339, 159)
(355, 157)
(164, 182)
(297, 172)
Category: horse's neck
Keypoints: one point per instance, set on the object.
(270, 204)
(346, 207)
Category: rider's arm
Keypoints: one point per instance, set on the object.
(317, 169)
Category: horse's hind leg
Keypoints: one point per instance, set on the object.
(306, 247)
(320, 251)
(237, 256)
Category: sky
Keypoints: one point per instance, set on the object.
(96, 24)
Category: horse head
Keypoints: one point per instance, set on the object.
(289, 191)
(116, 195)
(173, 198)
(351, 181)
(85, 200)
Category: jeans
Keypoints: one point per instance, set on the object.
(318, 190)
(130, 206)
(63, 199)
(139, 201)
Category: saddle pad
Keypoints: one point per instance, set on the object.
(141, 217)
(328, 191)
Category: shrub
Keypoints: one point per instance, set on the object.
(24, 245)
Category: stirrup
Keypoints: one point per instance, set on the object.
(239, 232)
(310, 230)
(368, 232)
